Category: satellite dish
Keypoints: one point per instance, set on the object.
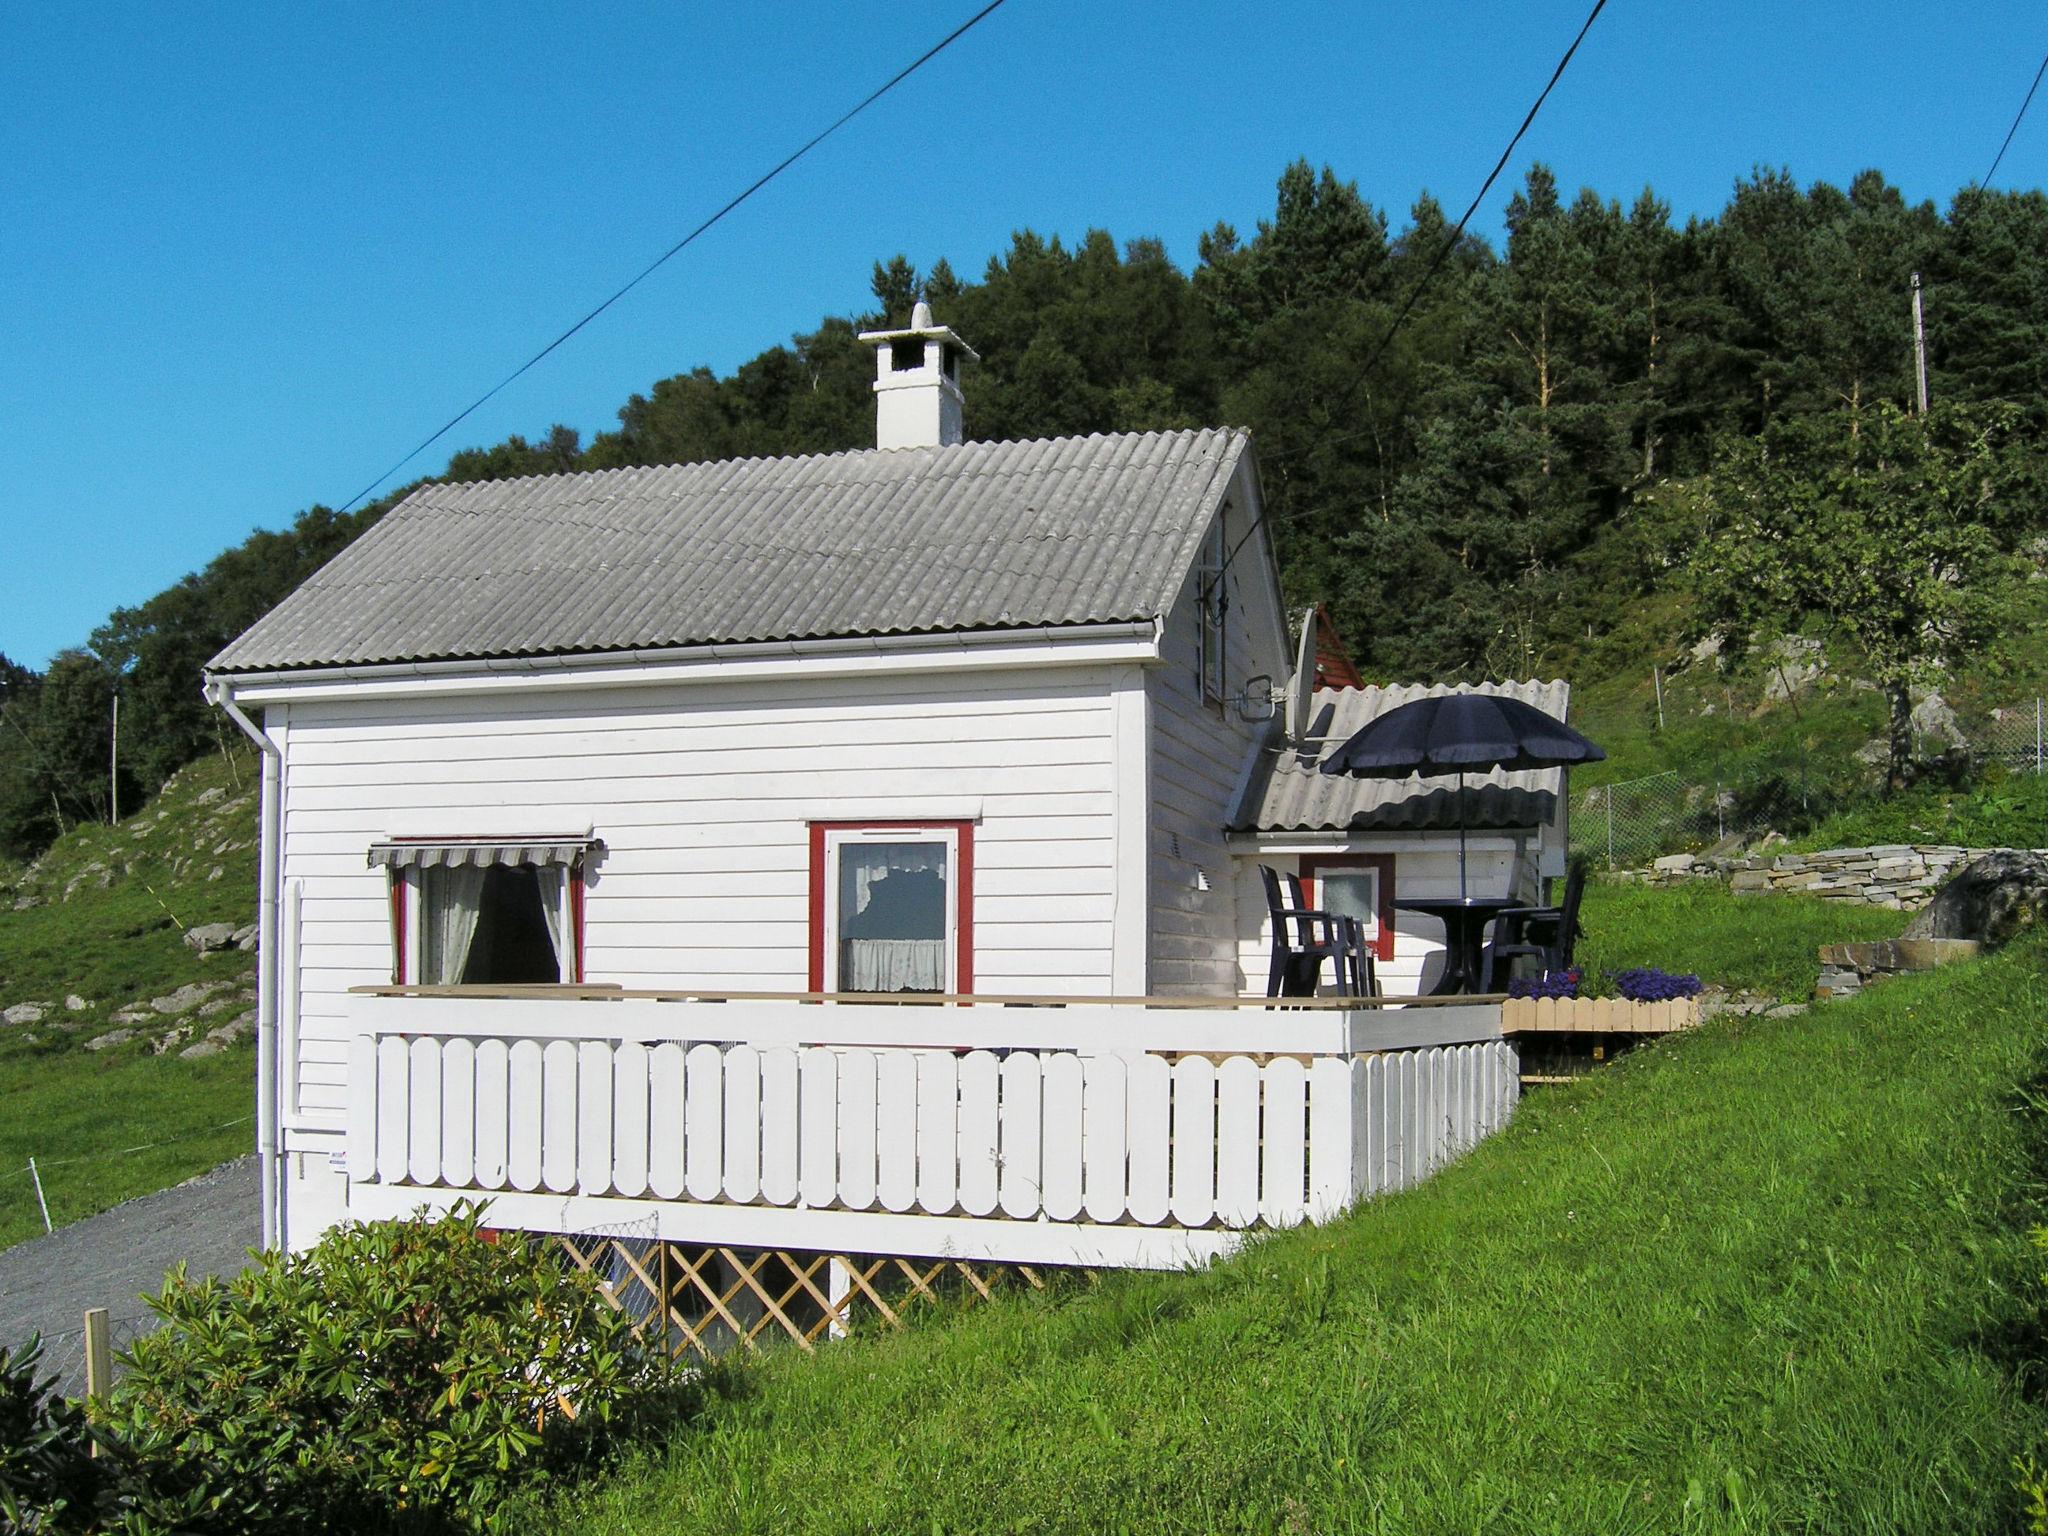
(1302, 686)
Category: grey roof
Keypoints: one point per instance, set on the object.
(1288, 794)
(976, 536)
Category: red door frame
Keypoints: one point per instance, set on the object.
(963, 898)
(1312, 866)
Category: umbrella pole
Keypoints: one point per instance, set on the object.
(1461, 834)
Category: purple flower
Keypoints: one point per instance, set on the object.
(1647, 984)
(1554, 984)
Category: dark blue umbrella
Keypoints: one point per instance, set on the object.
(1460, 733)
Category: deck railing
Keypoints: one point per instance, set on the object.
(1105, 1135)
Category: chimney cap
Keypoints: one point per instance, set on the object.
(922, 327)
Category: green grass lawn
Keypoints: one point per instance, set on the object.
(1765, 943)
(1766, 1276)
(110, 904)
(82, 1117)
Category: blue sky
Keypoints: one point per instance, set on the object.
(250, 255)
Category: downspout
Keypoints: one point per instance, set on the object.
(269, 961)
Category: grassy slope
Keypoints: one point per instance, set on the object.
(1761, 943)
(1747, 1280)
(1721, 728)
(116, 944)
(2003, 811)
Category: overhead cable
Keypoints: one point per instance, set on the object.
(1443, 253)
(2015, 128)
(648, 271)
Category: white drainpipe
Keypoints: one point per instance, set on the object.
(269, 959)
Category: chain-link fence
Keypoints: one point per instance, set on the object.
(1629, 823)
(2014, 737)
(63, 1354)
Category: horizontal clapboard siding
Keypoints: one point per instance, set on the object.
(1198, 752)
(702, 796)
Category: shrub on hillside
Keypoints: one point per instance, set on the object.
(400, 1375)
(48, 1479)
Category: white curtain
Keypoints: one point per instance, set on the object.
(554, 884)
(893, 965)
(451, 902)
(892, 917)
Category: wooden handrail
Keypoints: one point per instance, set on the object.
(609, 993)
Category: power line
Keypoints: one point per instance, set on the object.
(2015, 128)
(1443, 254)
(1457, 234)
(648, 271)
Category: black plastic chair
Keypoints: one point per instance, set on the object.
(1546, 934)
(1304, 936)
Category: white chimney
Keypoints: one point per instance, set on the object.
(917, 383)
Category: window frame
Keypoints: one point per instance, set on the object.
(826, 837)
(408, 919)
(1212, 616)
(1315, 867)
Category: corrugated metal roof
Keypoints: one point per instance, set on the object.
(977, 536)
(1289, 794)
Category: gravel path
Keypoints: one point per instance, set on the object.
(110, 1259)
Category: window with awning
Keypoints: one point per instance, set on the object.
(486, 912)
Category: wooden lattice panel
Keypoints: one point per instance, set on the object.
(708, 1301)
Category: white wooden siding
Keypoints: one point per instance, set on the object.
(702, 796)
(1199, 754)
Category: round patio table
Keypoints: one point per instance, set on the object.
(1464, 919)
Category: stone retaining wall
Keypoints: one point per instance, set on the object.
(1902, 876)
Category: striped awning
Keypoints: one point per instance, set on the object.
(480, 852)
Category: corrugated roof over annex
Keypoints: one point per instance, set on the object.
(911, 540)
(1288, 793)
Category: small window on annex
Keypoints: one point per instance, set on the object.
(890, 909)
(485, 913)
(1359, 885)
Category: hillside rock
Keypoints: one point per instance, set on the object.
(110, 1039)
(207, 937)
(1933, 720)
(1990, 899)
(187, 997)
(1798, 661)
(73, 1003)
(25, 1013)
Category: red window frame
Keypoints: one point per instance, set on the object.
(1312, 867)
(401, 927)
(963, 898)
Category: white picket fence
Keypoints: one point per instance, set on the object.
(1004, 1142)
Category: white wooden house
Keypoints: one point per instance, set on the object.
(578, 787)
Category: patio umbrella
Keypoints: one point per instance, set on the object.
(1457, 733)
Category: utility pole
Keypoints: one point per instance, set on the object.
(114, 767)
(1919, 347)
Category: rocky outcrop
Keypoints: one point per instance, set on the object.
(1846, 968)
(1990, 900)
